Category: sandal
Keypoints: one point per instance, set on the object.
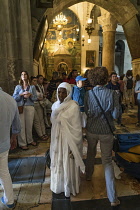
(24, 148)
(33, 143)
(44, 138)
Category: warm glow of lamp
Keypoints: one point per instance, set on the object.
(83, 39)
(89, 28)
(60, 20)
(89, 41)
(89, 21)
(74, 39)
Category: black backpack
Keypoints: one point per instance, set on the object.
(129, 84)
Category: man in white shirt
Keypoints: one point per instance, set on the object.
(9, 116)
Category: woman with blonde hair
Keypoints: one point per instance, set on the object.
(25, 95)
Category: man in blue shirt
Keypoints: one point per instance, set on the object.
(9, 115)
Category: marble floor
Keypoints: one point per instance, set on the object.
(37, 196)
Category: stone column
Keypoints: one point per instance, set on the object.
(41, 71)
(35, 68)
(25, 61)
(136, 66)
(109, 25)
(16, 52)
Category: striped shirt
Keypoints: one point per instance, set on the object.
(109, 100)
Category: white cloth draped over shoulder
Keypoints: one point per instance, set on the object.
(66, 137)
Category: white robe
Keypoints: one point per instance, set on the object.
(66, 136)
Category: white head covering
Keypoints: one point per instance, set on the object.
(68, 88)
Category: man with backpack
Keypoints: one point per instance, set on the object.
(129, 84)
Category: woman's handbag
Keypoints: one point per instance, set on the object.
(116, 145)
(20, 109)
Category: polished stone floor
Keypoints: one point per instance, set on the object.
(37, 196)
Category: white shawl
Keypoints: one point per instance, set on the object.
(66, 121)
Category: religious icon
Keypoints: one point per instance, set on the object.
(90, 58)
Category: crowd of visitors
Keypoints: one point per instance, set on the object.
(78, 102)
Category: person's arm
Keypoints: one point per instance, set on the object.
(16, 94)
(116, 112)
(33, 95)
(137, 87)
(16, 128)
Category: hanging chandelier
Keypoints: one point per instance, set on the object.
(60, 20)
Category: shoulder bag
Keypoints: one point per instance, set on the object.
(20, 109)
(116, 145)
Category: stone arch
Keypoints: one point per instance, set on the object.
(120, 10)
(125, 13)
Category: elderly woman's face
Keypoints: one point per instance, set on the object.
(62, 94)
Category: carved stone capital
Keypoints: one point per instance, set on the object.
(108, 22)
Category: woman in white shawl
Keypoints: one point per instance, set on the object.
(66, 143)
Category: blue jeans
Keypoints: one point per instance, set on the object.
(106, 145)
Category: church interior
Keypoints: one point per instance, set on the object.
(46, 36)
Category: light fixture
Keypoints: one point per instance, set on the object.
(77, 34)
(83, 39)
(77, 30)
(89, 28)
(89, 40)
(60, 20)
